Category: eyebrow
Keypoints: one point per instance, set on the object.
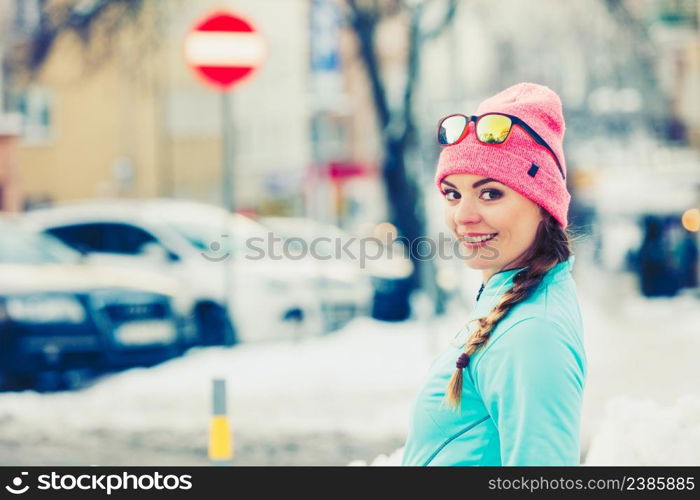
(475, 185)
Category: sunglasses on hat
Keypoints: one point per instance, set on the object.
(491, 128)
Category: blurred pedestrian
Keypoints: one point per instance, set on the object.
(509, 390)
(657, 275)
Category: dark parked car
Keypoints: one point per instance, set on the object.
(60, 317)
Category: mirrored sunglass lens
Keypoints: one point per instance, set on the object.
(493, 128)
(451, 129)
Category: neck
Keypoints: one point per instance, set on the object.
(487, 273)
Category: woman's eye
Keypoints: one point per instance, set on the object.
(451, 195)
(491, 194)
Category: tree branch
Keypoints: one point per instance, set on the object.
(412, 68)
(81, 19)
(620, 12)
(644, 52)
(416, 39)
(365, 24)
(444, 23)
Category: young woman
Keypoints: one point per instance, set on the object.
(509, 389)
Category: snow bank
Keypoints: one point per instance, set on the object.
(643, 432)
(393, 459)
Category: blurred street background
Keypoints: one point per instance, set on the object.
(156, 226)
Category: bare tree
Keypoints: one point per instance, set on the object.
(86, 18)
(643, 61)
(397, 125)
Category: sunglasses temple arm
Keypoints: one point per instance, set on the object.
(542, 142)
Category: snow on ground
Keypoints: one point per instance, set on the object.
(383, 460)
(644, 432)
(355, 382)
(345, 398)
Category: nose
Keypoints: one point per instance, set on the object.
(467, 212)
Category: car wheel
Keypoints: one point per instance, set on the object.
(214, 325)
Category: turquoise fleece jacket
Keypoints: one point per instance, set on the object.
(522, 391)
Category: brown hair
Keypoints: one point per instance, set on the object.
(552, 245)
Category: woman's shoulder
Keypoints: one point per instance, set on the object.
(548, 320)
(527, 328)
(553, 305)
(534, 335)
(533, 343)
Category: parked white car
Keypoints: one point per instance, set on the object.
(317, 246)
(226, 260)
(376, 272)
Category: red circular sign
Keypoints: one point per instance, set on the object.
(224, 49)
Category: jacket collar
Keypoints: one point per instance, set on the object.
(502, 281)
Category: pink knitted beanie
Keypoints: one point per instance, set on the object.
(519, 163)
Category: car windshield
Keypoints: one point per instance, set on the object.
(24, 246)
(326, 239)
(219, 238)
(331, 242)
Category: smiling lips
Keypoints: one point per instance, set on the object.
(477, 239)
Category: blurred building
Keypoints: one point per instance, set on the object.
(127, 117)
(87, 122)
(674, 26)
(10, 194)
(10, 129)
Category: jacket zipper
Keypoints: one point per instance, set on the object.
(452, 438)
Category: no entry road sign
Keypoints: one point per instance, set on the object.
(224, 49)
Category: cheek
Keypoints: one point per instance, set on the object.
(514, 221)
(503, 219)
(449, 212)
(523, 225)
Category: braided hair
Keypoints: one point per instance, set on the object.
(552, 245)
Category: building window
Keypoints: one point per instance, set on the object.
(27, 13)
(34, 104)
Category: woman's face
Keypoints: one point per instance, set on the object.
(494, 224)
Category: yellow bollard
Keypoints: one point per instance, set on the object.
(220, 437)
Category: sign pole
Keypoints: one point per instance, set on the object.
(228, 173)
(228, 186)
